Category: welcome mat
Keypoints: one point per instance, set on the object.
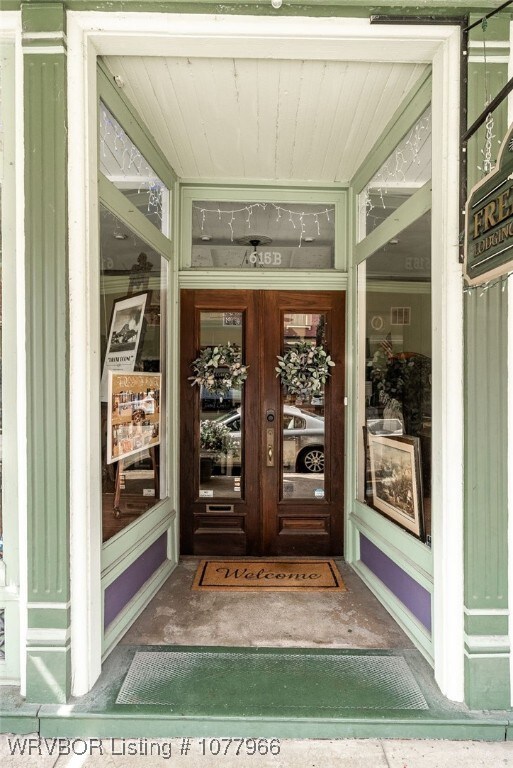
(269, 576)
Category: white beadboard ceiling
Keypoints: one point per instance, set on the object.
(261, 119)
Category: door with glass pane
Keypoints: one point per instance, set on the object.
(262, 469)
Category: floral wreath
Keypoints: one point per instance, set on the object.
(304, 368)
(219, 369)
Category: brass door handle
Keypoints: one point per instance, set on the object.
(270, 446)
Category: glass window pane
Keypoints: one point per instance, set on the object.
(124, 165)
(133, 281)
(303, 419)
(228, 235)
(404, 172)
(395, 365)
(221, 428)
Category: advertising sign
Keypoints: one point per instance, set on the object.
(124, 337)
(489, 221)
(133, 420)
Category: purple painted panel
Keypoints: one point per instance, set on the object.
(123, 589)
(415, 598)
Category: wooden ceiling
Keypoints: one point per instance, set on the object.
(221, 119)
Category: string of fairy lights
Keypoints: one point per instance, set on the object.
(483, 288)
(394, 169)
(297, 219)
(113, 139)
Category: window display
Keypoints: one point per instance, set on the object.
(133, 313)
(395, 370)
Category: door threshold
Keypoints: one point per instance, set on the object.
(267, 693)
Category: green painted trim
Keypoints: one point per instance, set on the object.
(478, 52)
(128, 117)
(116, 202)
(405, 116)
(48, 618)
(406, 620)
(15, 715)
(486, 444)
(48, 674)
(354, 8)
(486, 645)
(411, 210)
(47, 329)
(481, 82)
(53, 724)
(487, 624)
(264, 280)
(274, 194)
(135, 607)
(19, 724)
(43, 16)
(487, 682)
(497, 27)
(409, 553)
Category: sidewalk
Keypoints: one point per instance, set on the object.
(287, 753)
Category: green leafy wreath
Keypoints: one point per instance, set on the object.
(219, 369)
(304, 369)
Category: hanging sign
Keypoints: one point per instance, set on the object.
(489, 221)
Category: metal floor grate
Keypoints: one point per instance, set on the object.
(256, 681)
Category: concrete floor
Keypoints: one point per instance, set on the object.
(179, 616)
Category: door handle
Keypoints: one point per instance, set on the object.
(270, 446)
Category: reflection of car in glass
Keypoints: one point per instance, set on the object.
(303, 438)
(385, 426)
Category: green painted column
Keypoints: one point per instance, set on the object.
(487, 651)
(48, 635)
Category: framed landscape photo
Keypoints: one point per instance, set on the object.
(397, 480)
(124, 336)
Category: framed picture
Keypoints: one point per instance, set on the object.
(396, 480)
(124, 337)
(133, 415)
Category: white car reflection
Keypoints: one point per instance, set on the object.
(303, 438)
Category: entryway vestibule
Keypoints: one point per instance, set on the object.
(275, 479)
(132, 565)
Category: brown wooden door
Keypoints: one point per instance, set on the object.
(278, 489)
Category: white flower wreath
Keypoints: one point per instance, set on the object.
(304, 369)
(219, 369)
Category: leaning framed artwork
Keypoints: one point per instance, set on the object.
(124, 336)
(397, 480)
(133, 414)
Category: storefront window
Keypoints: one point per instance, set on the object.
(404, 172)
(395, 379)
(133, 336)
(262, 235)
(124, 165)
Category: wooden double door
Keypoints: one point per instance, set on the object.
(262, 472)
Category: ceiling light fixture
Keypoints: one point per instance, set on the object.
(309, 239)
(276, 3)
(120, 236)
(206, 238)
